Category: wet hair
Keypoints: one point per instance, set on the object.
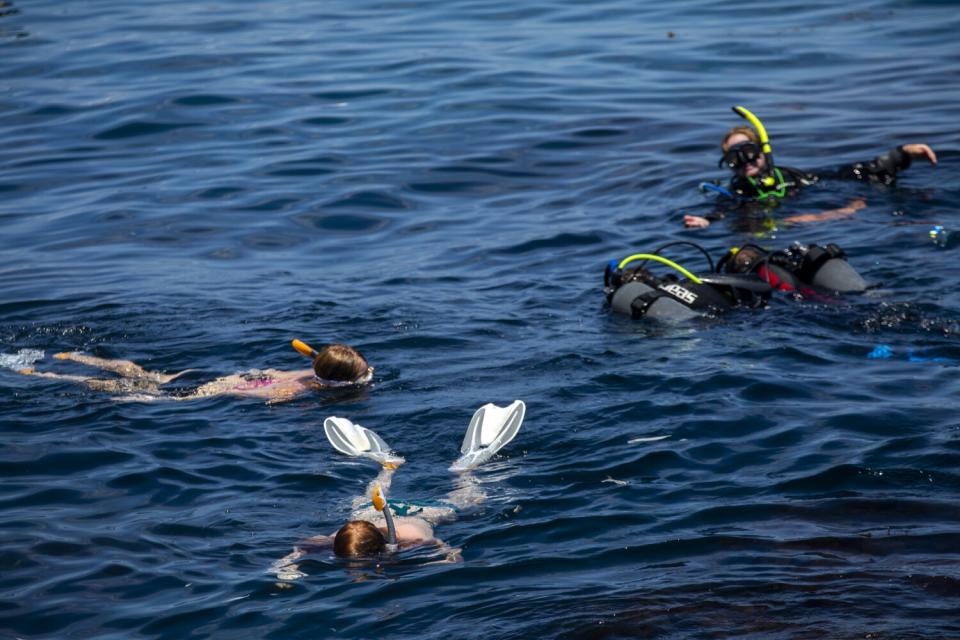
(745, 131)
(358, 539)
(339, 363)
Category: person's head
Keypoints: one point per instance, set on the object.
(741, 147)
(339, 363)
(358, 539)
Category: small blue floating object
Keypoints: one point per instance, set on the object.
(915, 358)
(881, 351)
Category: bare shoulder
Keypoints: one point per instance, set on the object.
(277, 374)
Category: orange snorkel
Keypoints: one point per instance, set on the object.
(380, 504)
(304, 349)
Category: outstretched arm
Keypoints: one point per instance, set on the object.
(884, 168)
(451, 555)
(829, 214)
(286, 568)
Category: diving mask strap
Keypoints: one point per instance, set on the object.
(364, 378)
(380, 504)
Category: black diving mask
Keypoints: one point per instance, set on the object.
(739, 155)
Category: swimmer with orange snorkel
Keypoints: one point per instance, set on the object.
(334, 366)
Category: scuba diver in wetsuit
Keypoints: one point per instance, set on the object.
(758, 181)
(744, 277)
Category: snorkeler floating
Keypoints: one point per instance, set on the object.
(334, 365)
(744, 277)
(757, 179)
(381, 526)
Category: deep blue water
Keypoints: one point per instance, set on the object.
(440, 184)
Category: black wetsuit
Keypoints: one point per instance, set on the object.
(881, 170)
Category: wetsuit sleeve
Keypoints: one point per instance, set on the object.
(883, 169)
(723, 208)
(797, 178)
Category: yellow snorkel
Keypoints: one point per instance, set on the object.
(380, 504)
(304, 349)
(661, 260)
(765, 147)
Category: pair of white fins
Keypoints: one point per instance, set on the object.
(490, 429)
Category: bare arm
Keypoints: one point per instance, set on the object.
(286, 568)
(829, 214)
(451, 555)
(919, 150)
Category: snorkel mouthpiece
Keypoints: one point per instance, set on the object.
(380, 504)
(304, 349)
(746, 114)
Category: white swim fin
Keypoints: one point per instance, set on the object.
(353, 440)
(490, 429)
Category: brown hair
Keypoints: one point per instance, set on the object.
(358, 539)
(746, 131)
(340, 363)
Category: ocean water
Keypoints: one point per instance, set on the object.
(440, 184)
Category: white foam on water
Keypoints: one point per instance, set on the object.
(21, 359)
(649, 439)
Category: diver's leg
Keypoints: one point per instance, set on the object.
(125, 368)
(52, 376)
(97, 384)
(466, 492)
(384, 478)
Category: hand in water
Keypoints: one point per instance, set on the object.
(695, 222)
(854, 206)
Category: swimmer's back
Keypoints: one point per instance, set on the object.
(413, 530)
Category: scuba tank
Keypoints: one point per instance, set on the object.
(803, 268)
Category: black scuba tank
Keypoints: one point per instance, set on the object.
(827, 268)
(640, 294)
(798, 267)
